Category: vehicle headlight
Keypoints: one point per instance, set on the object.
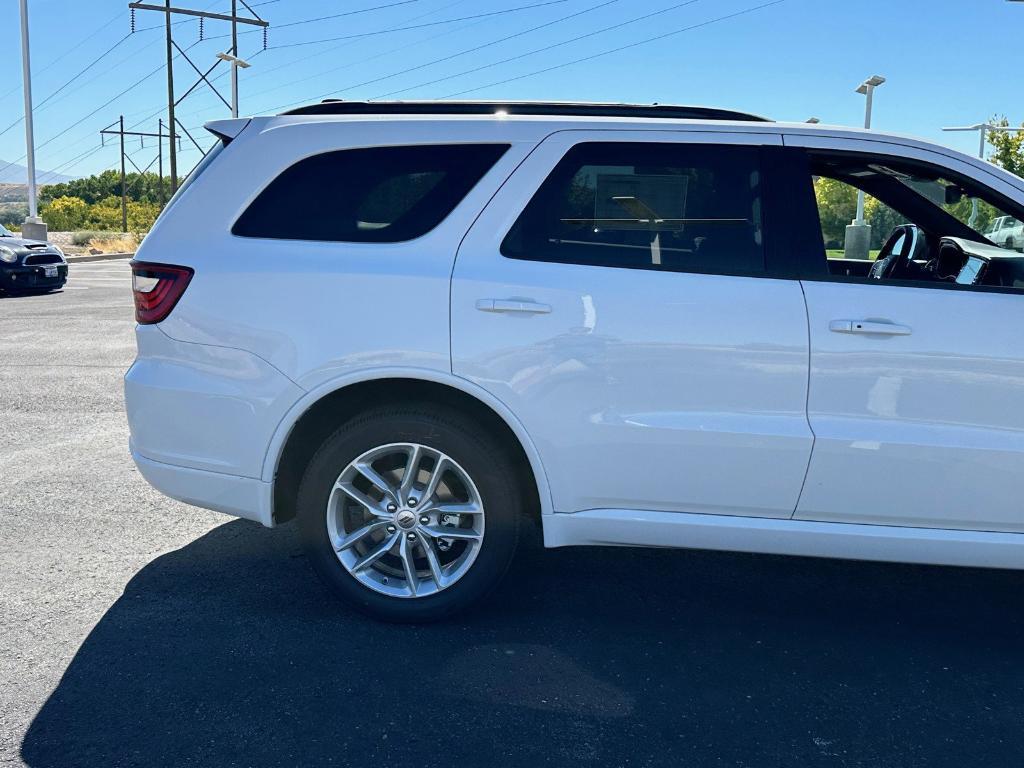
(7, 255)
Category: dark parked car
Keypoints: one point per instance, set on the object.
(30, 266)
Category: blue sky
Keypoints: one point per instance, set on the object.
(948, 62)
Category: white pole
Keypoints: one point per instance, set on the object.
(29, 138)
(234, 64)
(869, 92)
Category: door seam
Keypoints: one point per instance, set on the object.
(807, 404)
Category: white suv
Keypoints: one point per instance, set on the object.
(413, 326)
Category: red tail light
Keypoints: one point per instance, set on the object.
(157, 288)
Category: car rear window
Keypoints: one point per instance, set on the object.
(374, 195)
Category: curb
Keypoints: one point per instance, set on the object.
(97, 257)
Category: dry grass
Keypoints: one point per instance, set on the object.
(115, 243)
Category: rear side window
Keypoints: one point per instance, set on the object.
(679, 207)
(376, 195)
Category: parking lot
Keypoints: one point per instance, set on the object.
(140, 631)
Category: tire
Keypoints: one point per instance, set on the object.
(1009, 244)
(325, 513)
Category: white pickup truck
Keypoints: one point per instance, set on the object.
(1007, 232)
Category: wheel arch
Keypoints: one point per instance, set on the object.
(321, 410)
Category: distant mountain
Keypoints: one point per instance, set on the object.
(17, 174)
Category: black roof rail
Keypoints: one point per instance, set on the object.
(584, 109)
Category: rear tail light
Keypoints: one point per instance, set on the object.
(156, 289)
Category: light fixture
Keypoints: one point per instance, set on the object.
(234, 60)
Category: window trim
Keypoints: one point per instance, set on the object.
(776, 265)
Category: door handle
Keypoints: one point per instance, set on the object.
(870, 327)
(523, 306)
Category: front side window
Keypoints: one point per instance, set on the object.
(924, 226)
(374, 195)
(679, 207)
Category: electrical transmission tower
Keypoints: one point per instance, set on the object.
(159, 159)
(232, 59)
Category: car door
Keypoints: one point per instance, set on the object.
(616, 294)
(915, 389)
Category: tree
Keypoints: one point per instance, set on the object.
(837, 205)
(141, 216)
(105, 215)
(141, 187)
(882, 219)
(1008, 146)
(65, 213)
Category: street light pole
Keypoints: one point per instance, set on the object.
(857, 244)
(33, 227)
(235, 63)
(868, 89)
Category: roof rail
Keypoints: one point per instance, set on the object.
(553, 108)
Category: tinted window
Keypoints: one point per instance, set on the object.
(652, 206)
(923, 226)
(377, 195)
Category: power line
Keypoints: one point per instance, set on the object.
(419, 26)
(465, 52)
(68, 52)
(545, 48)
(102, 106)
(620, 48)
(346, 13)
(69, 82)
(304, 59)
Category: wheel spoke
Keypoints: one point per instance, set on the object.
(443, 463)
(376, 553)
(433, 562)
(358, 535)
(412, 468)
(366, 470)
(371, 506)
(405, 550)
(443, 532)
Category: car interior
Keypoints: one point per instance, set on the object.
(933, 246)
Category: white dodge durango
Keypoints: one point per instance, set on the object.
(413, 327)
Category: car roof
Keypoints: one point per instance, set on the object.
(533, 108)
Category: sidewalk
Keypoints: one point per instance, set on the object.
(85, 257)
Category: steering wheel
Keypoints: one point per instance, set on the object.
(895, 259)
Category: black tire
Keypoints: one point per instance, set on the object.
(443, 429)
(1009, 244)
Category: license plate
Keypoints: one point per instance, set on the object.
(50, 271)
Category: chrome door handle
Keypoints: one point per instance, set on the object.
(513, 305)
(870, 327)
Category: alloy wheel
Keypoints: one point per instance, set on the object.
(405, 520)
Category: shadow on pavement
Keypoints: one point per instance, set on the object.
(230, 652)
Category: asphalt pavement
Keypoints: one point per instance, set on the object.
(138, 631)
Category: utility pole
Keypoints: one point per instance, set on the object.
(170, 95)
(33, 228)
(234, 52)
(120, 132)
(167, 9)
(160, 158)
(124, 185)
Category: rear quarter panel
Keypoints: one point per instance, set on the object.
(319, 310)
